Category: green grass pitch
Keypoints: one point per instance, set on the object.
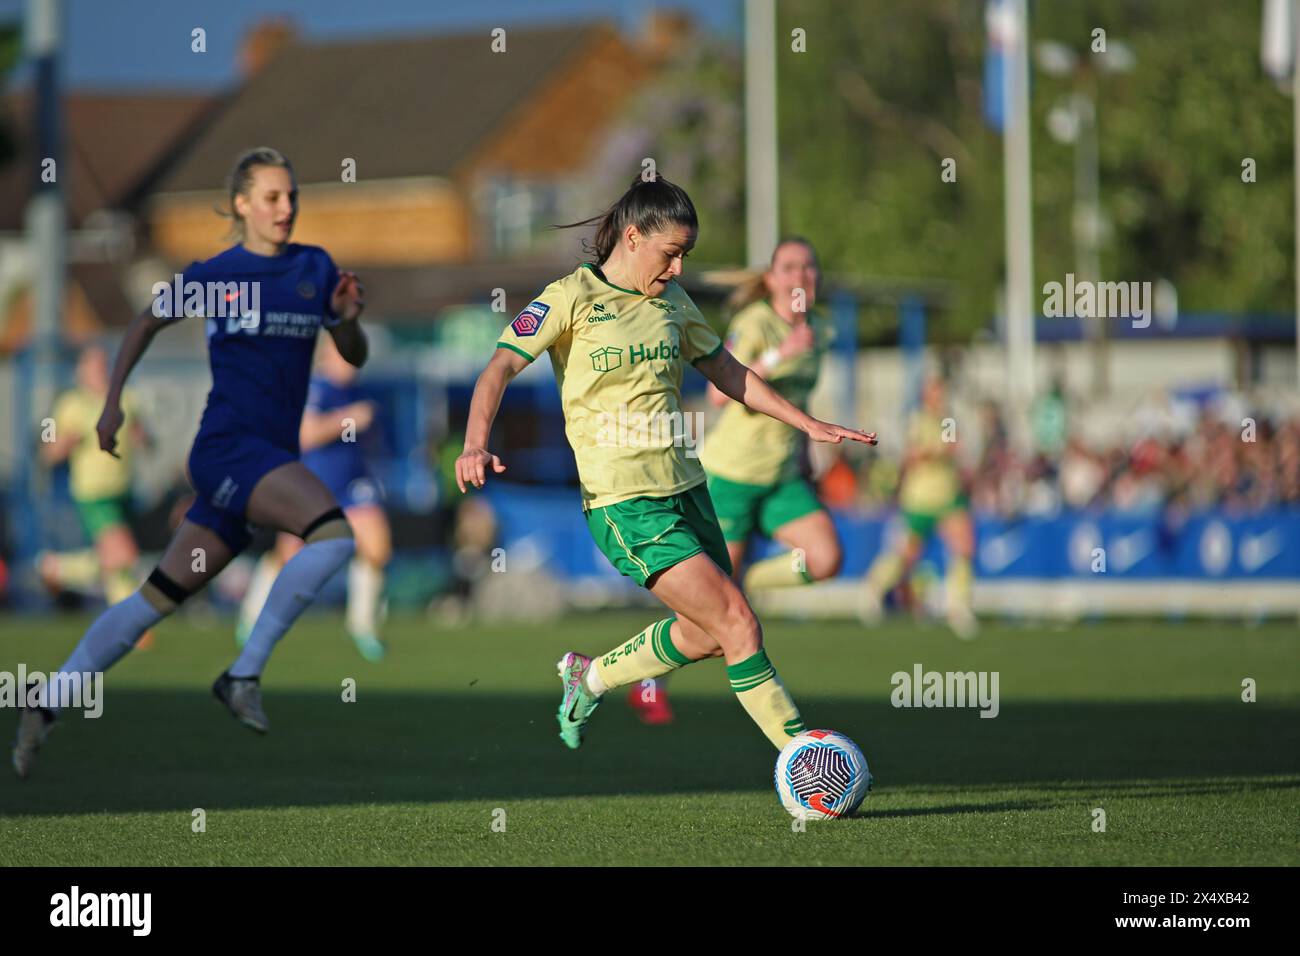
(1144, 720)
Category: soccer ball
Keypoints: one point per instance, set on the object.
(821, 775)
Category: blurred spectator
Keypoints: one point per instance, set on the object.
(1178, 455)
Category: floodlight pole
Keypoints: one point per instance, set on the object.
(46, 214)
(761, 209)
(1019, 219)
(1295, 151)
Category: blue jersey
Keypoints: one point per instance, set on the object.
(262, 315)
(340, 462)
(261, 337)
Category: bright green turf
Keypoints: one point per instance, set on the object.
(1142, 719)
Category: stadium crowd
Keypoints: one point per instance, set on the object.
(1168, 456)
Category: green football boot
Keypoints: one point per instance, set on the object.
(578, 703)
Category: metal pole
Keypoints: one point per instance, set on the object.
(1087, 231)
(46, 212)
(1019, 220)
(46, 224)
(761, 209)
(1295, 150)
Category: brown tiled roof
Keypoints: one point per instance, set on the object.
(399, 107)
(113, 145)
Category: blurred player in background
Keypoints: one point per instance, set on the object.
(337, 414)
(263, 301)
(620, 332)
(100, 486)
(758, 466)
(931, 499)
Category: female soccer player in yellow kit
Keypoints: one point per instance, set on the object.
(931, 499)
(619, 332)
(757, 466)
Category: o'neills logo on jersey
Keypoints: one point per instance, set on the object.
(661, 350)
(213, 300)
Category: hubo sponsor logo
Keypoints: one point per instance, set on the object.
(660, 350)
(923, 688)
(65, 690)
(1104, 300)
(238, 301)
(76, 909)
(609, 357)
(626, 429)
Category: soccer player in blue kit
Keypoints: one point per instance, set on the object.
(263, 300)
(337, 415)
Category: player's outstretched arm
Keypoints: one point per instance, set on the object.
(134, 344)
(473, 463)
(740, 383)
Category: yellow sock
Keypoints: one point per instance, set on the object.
(649, 654)
(118, 586)
(886, 571)
(76, 569)
(779, 571)
(765, 698)
(958, 582)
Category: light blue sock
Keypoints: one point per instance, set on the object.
(295, 587)
(110, 638)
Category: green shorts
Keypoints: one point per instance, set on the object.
(643, 536)
(923, 523)
(742, 507)
(98, 514)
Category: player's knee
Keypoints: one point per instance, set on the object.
(375, 553)
(825, 562)
(163, 592)
(331, 526)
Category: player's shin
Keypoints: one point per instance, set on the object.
(958, 583)
(297, 585)
(779, 571)
(116, 631)
(365, 587)
(649, 654)
(885, 572)
(765, 698)
(259, 586)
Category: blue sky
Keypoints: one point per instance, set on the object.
(141, 44)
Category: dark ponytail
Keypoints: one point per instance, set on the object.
(652, 205)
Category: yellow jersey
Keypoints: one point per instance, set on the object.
(93, 473)
(619, 357)
(748, 446)
(930, 482)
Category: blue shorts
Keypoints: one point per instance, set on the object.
(224, 470)
(357, 492)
